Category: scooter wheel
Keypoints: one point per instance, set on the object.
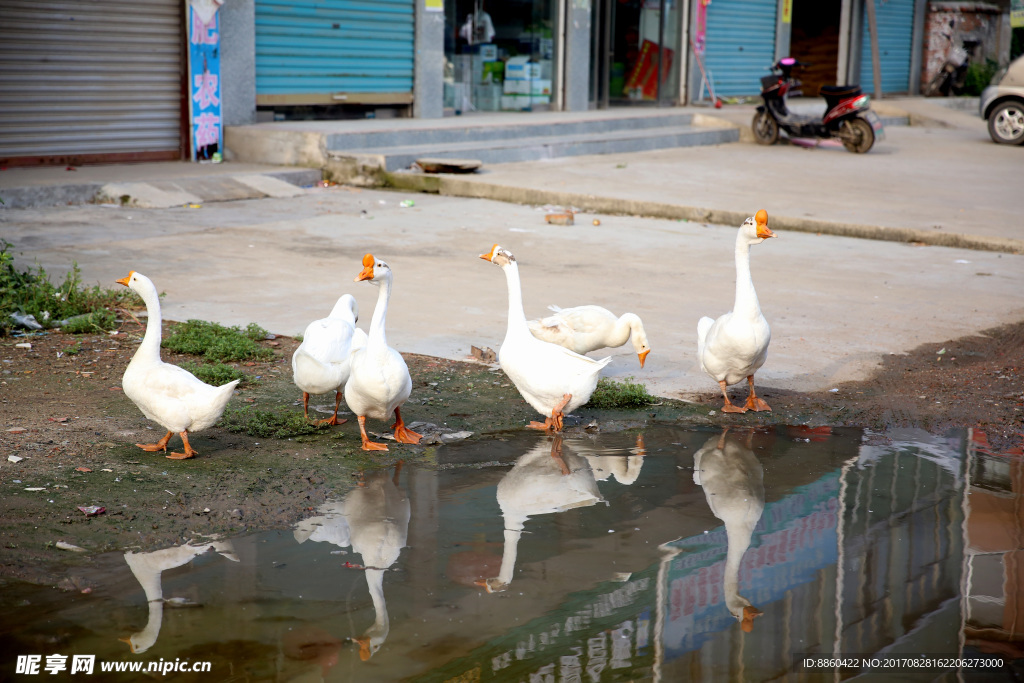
(765, 127)
(858, 136)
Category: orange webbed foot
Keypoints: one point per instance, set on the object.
(373, 446)
(160, 445)
(757, 404)
(733, 408)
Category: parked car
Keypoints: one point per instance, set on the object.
(1002, 104)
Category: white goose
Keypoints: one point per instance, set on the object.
(586, 328)
(170, 396)
(736, 345)
(543, 481)
(379, 381)
(321, 363)
(552, 379)
(733, 482)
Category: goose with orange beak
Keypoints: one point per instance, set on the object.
(171, 396)
(379, 381)
(587, 328)
(551, 378)
(733, 347)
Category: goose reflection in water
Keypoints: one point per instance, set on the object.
(733, 482)
(624, 468)
(544, 480)
(148, 568)
(373, 518)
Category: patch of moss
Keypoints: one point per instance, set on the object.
(266, 424)
(626, 394)
(215, 373)
(217, 343)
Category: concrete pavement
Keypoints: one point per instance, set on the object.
(836, 305)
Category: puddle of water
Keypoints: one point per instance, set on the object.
(670, 555)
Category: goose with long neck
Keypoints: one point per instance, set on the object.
(551, 378)
(735, 346)
(170, 396)
(322, 362)
(587, 328)
(379, 381)
(733, 481)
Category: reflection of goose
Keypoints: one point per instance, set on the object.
(148, 567)
(374, 519)
(544, 480)
(625, 468)
(733, 482)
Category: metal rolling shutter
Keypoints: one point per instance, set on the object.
(740, 44)
(334, 51)
(90, 80)
(895, 34)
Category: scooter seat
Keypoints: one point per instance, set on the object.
(834, 93)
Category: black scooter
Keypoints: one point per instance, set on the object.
(848, 116)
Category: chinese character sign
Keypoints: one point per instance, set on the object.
(204, 82)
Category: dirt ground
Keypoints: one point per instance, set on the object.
(62, 411)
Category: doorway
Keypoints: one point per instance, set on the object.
(815, 40)
(635, 53)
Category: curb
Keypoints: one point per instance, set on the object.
(456, 186)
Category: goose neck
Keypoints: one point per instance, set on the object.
(746, 297)
(516, 316)
(154, 324)
(380, 312)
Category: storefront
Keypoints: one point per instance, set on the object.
(87, 82)
(323, 53)
(500, 55)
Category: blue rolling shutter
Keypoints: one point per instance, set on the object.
(740, 44)
(895, 34)
(334, 51)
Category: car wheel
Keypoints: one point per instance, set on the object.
(1006, 123)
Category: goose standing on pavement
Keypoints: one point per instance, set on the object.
(735, 346)
(551, 378)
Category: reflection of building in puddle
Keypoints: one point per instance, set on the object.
(148, 568)
(373, 519)
(733, 482)
(993, 618)
(544, 480)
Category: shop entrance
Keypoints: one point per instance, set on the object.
(499, 55)
(815, 39)
(635, 48)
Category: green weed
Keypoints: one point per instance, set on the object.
(626, 394)
(266, 424)
(30, 292)
(215, 373)
(217, 343)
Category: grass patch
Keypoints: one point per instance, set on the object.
(266, 424)
(626, 394)
(217, 343)
(30, 292)
(215, 373)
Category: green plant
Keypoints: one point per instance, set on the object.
(30, 292)
(214, 373)
(215, 342)
(624, 394)
(266, 424)
(97, 321)
(978, 77)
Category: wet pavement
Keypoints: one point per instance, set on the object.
(665, 554)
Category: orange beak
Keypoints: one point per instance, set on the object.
(762, 225)
(364, 648)
(749, 614)
(643, 356)
(124, 281)
(367, 272)
(489, 255)
(127, 640)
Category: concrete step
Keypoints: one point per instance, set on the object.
(538, 145)
(487, 131)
